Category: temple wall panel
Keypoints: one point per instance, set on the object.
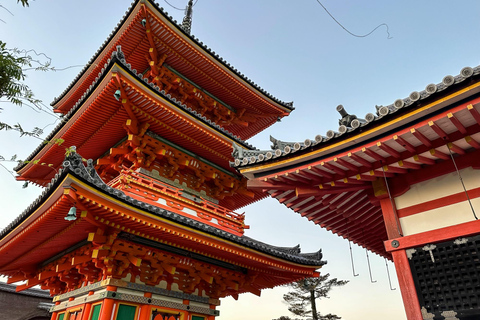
(437, 188)
(439, 218)
(438, 203)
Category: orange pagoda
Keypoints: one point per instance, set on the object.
(148, 229)
(402, 182)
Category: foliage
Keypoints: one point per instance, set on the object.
(23, 2)
(13, 64)
(304, 294)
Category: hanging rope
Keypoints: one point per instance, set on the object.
(388, 274)
(391, 200)
(350, 246)
(461, 181)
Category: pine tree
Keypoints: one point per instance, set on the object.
(304, 294)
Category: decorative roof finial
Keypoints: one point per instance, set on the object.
(346, 118)
(187, 20)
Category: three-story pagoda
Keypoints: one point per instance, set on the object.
(148, 228)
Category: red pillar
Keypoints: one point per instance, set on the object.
(107, 306)
(407, 286)
(392, 224)
(145, 309)
(88, 308)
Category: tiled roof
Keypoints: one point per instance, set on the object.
(213, 54)
(73, 165)
(29, 292)
(119, 58)
(244, 157)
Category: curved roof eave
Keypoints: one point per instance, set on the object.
(117, 57)
(450, 90)
(92, 66)
(289, 254)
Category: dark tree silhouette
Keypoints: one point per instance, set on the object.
(304, 294)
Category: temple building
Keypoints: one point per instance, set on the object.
(402, 182)
(138, 217)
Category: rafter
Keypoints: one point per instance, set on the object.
(421, 137)
(457, 123)
(472, 142)
(439, 154)
(439, 131)
(474, 113)
(404, 143)
(394, 153)
(455, 148)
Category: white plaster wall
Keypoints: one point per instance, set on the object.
(438, 187)
(433, 189)
(439, 218)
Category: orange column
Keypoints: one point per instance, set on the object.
(55, 314)
(392, 224)
(88, 308)
(107, 306)
(407, 286)
(145, 310)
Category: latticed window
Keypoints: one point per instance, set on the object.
(447, 278)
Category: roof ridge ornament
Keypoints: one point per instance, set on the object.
(346, 118)
(187, 20)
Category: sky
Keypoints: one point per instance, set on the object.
(295, 51)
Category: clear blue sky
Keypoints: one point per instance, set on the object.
(295, 51)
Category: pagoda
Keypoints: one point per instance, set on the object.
(402, 182)
(138, 217)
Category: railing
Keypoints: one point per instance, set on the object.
(127, 176)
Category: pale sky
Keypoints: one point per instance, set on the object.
(293, 50)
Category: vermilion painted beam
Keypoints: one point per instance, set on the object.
(407, 285)
(340, 200)
(456, 149)
(392, 169)
(299, 177)
(421, 137)
(373, 154)
(439, 154)
(259, 184)
(438, 203)
(314, 179)
(360, 160)
(439, 235)
(333, 168)
(306, 191)
(366, 177)
(442, 134)
(472, 142)
(380, 173)
(474, 113)
(308, 209)
(365, 205)
(394, 153)
(16, 278)
(457, 123)
(352, 181)
(346, 164)
(299, 201)
(409, 165)
(319, 215)
(392, 224)
(321, 172)
(404, 143)
(423, 159)
(353, 201)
